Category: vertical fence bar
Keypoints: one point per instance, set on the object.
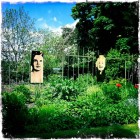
(68, 66)
(87, 65)
(22, 74)
(92, 69)
(78, 63)
(88, 60)
(83, 61)
(125, 72)
(73, 65)
(9, 77)
(62, 65)
(132, 69)
(16, 75)
(30, 69)
(29, 73)
(16, 71)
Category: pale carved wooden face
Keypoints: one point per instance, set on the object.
(100, 63)
(38, 62)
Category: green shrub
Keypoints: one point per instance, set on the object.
(54, 79)
(94, 91)
(50, 117)
(120, 113)
(83, 81)
(65, 89)
(14, 112)
(122, 81)
(126, 91)
(115, 68)
(131, 90)
(112, 91)
(86, 111)
(23, 89)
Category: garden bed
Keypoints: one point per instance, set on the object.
(61, 105)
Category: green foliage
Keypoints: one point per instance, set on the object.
(122, 45)
(103, 29)
(94, 91)
(54, 78)
(14, 113)
(66, 90)
(120, 113)
(83, 81)
(72, 107)
(104, 22)
(117, 64)
(131, 91)
(23, 89)
(49, 117)
(112, 92)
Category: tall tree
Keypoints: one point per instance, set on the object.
(17, 34)
(103, 26)
(18, 38)
(82, 12)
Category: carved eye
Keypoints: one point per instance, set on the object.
(35, 60)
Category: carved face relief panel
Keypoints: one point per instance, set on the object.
(100, 63)
(37, 67)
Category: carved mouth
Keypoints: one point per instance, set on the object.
(38, 66)
(100, 66)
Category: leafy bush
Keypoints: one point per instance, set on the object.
(126, 91)
(120, 113)
(90, 109)
(94, 91)
(115, 68)
(14, 112)
(131, 90)
(122, 81)
(50, 117)
(23, 89)
(83, 81)
(65, 89)
(72, 106)
(54, 79)
(113, 92)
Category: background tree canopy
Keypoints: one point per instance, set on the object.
(103, 26)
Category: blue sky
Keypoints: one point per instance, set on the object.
(48, 15)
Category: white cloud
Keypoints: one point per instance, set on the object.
(55, 30)
(40, 19)
(44, 25)
(58, 30)
(55, 19)
(72, 25)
